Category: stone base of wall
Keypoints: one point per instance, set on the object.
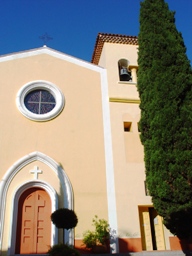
(125, 245)
(78, 244)
(174, 243)
(135, 245)
(177, 244)
(130, 245)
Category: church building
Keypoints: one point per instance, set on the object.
(69, 139)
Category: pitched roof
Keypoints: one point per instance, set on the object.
(110, 38)
(50, 52)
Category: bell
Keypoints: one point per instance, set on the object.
(123, 71)
(124, 74)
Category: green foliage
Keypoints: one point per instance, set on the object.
(99, 236)
(165, 90)
(64, 218)
(89, 239)
(101, 229)
(63, 250)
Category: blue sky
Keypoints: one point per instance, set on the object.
(74, 24)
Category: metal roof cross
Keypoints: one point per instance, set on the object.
(45, 38)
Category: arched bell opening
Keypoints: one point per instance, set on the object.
(124, 72)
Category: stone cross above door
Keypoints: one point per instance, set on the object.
(36, 171)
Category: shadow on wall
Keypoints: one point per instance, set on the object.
(186, 246)
(181, 244)
(126, 247)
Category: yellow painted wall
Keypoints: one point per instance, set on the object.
(128, 154)
(74, 138)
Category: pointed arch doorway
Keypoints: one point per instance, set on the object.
(33, 222)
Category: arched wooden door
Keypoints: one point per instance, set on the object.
(34, 224)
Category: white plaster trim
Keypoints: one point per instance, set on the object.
(34, 85)
(16, 167)
(19, 191)
(53, 53)
(111, 196)
(127, 82)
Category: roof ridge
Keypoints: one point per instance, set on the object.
(110, 38)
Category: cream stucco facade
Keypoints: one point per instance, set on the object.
(88, 156)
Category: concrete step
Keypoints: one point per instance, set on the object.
(160, 253)
(144, 253)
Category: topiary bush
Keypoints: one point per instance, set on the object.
(64, 218)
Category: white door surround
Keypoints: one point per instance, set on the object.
(6, 181)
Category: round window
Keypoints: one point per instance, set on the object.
(40, 101)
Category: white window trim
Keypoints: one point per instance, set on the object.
(35, 85)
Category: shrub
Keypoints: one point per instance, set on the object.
(63, 250)
(102, 229)
(89, 239)
(99, 236)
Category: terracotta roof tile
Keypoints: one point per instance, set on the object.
(110, 38)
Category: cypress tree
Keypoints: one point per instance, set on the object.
(165, 90)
